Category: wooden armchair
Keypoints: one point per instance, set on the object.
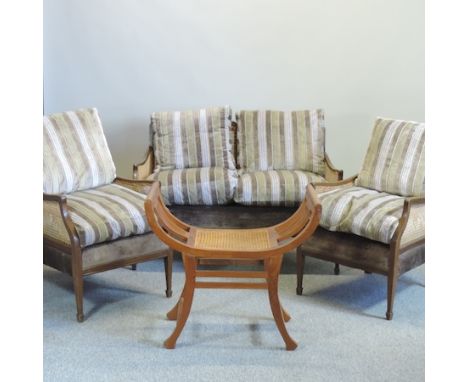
(375, 220)
(92, 220)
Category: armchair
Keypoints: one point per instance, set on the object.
(375, 220)
(93, 221)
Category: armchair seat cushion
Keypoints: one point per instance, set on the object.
(197, 186)
(367, 213)
(107, 213)
(274, 187)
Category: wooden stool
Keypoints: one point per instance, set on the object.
(261, 244)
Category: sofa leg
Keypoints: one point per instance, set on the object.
(78, 288)
(391, 287)
(134, 266)
(299, 270)
(168, 272)
(337, 269)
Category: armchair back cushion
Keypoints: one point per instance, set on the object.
(394, 162)
(192, 139)
(277, 140)
(75, 154)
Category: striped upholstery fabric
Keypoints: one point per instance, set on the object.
(75, 154)
(192, 139)
(364, 212)
(277, 140)
(106, 213)
(197, 186)
(394, 162)
(274, 188)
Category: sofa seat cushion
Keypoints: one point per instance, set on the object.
(274, 187)
(75, 155)
(364, 212)
(197, 186)
(107, 213)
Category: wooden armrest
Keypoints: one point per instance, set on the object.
(411, 208)
(50, 202)
(141, 186)
(146, 168)
(332, 174)
(327, 186)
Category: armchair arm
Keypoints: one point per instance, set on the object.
(410, 230)
(332, 174)
(141, 186)
(144, 169)
(57, 222)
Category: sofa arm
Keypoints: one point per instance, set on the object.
(411, 228)
(57, 223)
(144, 169)
(328, 186)
(141, 186)
(332, 174)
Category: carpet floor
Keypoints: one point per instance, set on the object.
(230, 335)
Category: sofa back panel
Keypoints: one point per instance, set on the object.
(75, 152)
(192, 139)
(394, 161)
(277, 140)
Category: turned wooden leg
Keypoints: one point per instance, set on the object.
(299, 270)
(185, 302)
(168, 273)
(273, 266)
(337, 269)
(391, 287)
(78, 288)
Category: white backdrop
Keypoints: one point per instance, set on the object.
(356, 59)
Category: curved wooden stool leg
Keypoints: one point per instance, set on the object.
(273, 266)
(185, 302)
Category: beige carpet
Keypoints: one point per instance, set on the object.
(230, 335)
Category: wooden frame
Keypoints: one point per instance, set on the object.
(67, 256)
(391, 260)
(264, 244)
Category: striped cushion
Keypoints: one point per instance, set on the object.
(192, 139)
(75, 155)
(394, 162)
(276, 140)
(197, 186)
(364, 212)
(274, 188)
(107, 213)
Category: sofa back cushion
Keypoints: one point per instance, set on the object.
(75, 153)
(277, 140)
(192, 139)
(394, 162)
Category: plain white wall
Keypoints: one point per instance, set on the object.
(356, 59)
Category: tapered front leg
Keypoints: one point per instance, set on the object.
(273, 266)
(182, 309)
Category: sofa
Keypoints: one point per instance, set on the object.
(246, 169)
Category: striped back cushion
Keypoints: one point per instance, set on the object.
(75, 155)
(394, 162)
(277, 140)
(192, 139)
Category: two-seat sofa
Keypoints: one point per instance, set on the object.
(216, 167)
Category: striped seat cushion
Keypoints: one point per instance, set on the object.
(197, 186)
(107, 213)
(75, 154)
(364, 212)
(192, 139)
(277, 140)
(274, 188)
(394, 162)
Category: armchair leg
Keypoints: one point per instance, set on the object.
(134, 267)
(336, 270)
(168, 271)
(299, 270)
(391, 287)
(78, 288)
